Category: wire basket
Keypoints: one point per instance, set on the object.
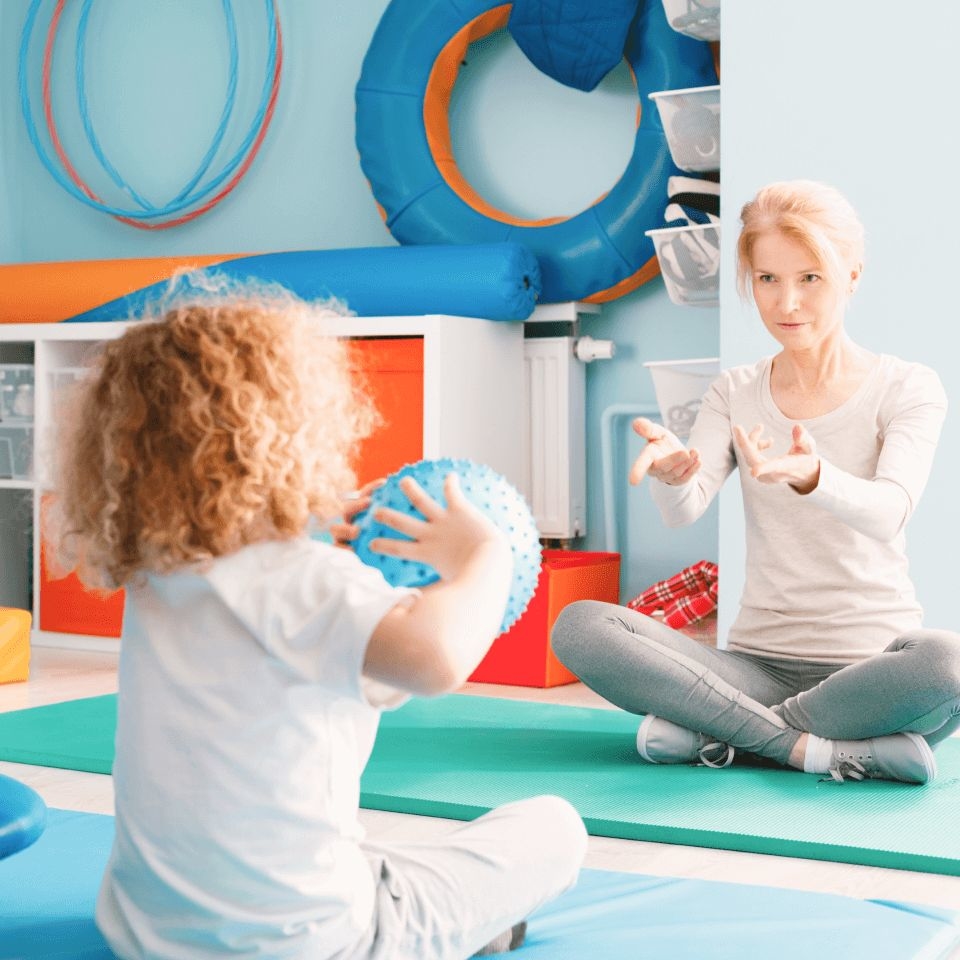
(691, 121)
(694, 18)
(689, 260)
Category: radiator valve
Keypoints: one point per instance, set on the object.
(587, 349)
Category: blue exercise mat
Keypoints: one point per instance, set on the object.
(48, 892)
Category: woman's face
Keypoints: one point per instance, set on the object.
(798, 302)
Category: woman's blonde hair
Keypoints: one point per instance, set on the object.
(813, 214)
(229, 420)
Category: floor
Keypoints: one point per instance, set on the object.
(58, 675)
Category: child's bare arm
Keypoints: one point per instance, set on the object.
(431, 645)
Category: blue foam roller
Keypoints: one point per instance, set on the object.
(487, 490)
(498, 281)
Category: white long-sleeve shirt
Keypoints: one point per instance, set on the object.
(827, 574)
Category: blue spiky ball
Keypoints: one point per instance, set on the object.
(487, 490)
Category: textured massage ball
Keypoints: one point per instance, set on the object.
(487, 490)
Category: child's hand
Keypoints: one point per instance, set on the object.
(799, 466)
(347, 530)
(664, 457)
(449, 538)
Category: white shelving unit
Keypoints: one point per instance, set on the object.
(472, 403)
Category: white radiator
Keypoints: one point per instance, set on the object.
(555, 470)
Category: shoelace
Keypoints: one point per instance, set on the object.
(717, 764)
(846, 770)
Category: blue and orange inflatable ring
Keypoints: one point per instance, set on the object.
(403, 137)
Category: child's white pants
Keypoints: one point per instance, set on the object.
(445, 899)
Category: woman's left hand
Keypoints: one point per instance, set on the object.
(799, 467)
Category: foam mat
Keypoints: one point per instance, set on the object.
(48, 892)
(459, 756)
(74, 735)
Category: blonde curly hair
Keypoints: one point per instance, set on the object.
(230, 420)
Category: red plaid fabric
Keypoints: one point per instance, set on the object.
(684, 598)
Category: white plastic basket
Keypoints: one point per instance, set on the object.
(695, 18)
(689, 258)
(680, 386)
(691, 121)
(16, 451)
(16, 391)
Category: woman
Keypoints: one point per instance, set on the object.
(827, 668)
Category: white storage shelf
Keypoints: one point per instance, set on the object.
(472, 397)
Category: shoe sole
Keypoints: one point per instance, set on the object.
(929, 760)
(642, 737)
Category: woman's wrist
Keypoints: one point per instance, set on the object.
(808, 485)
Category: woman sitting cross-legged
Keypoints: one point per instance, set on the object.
(828, 668)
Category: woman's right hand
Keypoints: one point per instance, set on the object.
(664, 457)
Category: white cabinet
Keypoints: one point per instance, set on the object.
(465, 384)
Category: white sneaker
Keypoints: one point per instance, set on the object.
(661, 741)
(905, 757)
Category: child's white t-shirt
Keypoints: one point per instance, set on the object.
(243, 727)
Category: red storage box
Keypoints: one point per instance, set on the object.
(522, 656)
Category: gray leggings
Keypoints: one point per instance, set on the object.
(761, 705)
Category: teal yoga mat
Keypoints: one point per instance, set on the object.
(458, 756)
(75, 735)
(461, 755)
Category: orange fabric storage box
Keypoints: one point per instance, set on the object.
(522, 656)
(66, 606)
(392, 373)
(14, 644)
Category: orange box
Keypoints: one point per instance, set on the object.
(66, 606)
(522, 656)
(392, 371)
(14, 644)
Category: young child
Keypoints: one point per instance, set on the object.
(255, 660)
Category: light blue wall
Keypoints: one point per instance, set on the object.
(9, 223)
(156, 86)
(866, 101)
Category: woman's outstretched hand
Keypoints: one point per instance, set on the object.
(799, 466)
(664, 457)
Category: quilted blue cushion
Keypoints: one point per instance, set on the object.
(577, 42)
